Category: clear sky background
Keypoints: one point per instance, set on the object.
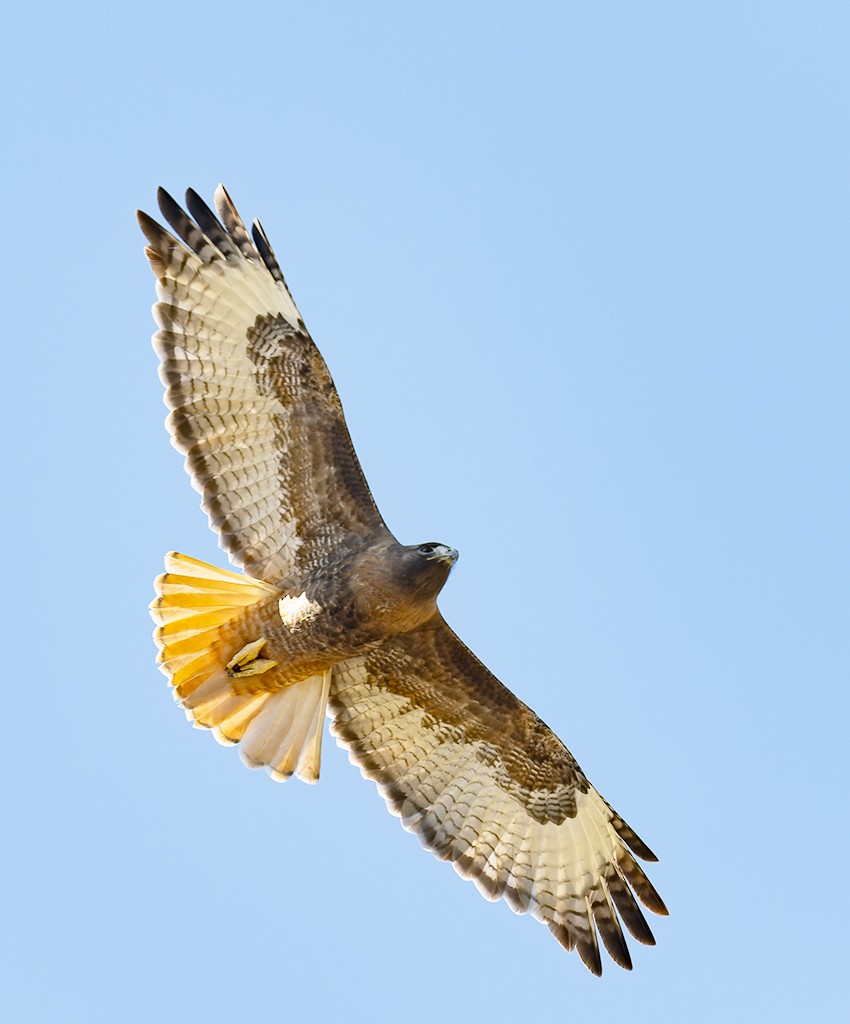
(580, 271)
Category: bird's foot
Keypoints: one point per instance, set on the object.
(247, 662)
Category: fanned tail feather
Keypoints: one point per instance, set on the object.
(204, 615)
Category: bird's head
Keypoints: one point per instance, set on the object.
(422, 569)
(397, 584)
(434, 552)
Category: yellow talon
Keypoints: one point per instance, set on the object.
(247, 663)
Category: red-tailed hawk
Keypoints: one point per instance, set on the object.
(334, 614)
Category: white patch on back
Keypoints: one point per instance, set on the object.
(296, 612)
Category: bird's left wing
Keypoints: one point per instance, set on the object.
(488, 786)
(253, 406)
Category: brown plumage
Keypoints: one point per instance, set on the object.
(334, 614)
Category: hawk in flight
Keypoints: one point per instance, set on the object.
(332, 614)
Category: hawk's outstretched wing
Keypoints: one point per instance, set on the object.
(254, 408)
(488, 786)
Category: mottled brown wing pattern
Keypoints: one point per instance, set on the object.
(488, 786)
(253, 406)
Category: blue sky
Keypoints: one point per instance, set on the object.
(580, 272)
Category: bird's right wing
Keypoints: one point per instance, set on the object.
(254, 408)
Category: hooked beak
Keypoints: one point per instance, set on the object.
(443, 553)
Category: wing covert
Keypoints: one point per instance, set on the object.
(253, 406)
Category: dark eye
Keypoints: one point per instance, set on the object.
(426, 549)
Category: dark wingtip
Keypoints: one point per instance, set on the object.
(170, 208)
(196, 205)
(590, 957)
(161, 244)
(660, 907)
(146, 223)
(211, 226)
(632, 839)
